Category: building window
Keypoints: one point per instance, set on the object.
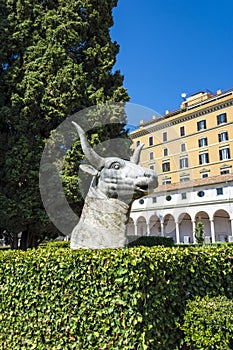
(166, 166)
(141, 201)
(182, 131)
(138, 143)
(151, 141)
(168, 198)
(219, 191)
(183, 147)
(164, 136)
(204, 158)
(184, 195)
(221, 118)
(224, 153)
(224, 172)
(203, 142)
(154, 199)
(166, 182)
(201, 193)
(201, 125)
(151, 155)
(204, 175)
(184, 179)
(184, 162)
(152, 167)
(223, 136)
(165, 152)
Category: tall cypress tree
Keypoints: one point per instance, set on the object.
(56, 58)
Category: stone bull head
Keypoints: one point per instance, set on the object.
(115, 185)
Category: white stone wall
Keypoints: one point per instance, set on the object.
(177, 217)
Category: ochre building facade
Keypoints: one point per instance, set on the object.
(191, 150)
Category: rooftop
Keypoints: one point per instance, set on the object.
(190, 102)
(212, 180)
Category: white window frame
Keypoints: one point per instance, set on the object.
(163, 164)
(151, 155)
(204, 158)
(224, 153)
(221, 118)
(165, 152)
(184, 162)
(223, 136)
(201, 125)
(203, 142)
(151, 140)
(164, 136)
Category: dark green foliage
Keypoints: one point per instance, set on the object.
(219, 244)
(4, 248)
(55, 244)
(56, 58)
(199, 232)
(208, 323)
(150, 241)
(105, 299)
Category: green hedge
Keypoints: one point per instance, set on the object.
(5, 247)
(208, 323)
(108, 299)
(150, 241)
(55, 244)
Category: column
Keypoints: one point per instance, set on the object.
(148, 229)
(162, 228)
(138, 227)
(177, 232)
(231, 229)
(194, 226)
(212, 231)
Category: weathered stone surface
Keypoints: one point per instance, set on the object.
(102, 224)
(116, 184)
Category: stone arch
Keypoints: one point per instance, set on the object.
(185, 228)
(222, 225)
(169, 228)
(155, 226)
(141, 226)
(130, 228)
(204, 217)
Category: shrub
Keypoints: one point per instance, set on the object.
(208, 323)
(4, 248)
(150, 241)
(199, 232)
(55, 244)
(134, 298)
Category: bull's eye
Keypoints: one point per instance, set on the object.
(115, 166)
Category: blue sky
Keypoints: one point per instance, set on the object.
(170, 47)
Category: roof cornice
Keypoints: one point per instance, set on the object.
(180, 118)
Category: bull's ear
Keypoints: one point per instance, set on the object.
(88, 169)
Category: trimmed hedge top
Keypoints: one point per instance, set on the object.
(150, 241)
(208, 323)
(105, 299)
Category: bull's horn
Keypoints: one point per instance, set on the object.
(92, 156)
(136, 155)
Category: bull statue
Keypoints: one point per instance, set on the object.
(116, 183)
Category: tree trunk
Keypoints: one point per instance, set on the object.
(14, 244)
(24, 240)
